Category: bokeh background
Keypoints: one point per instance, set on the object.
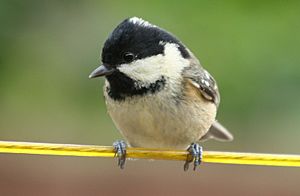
(48, 49)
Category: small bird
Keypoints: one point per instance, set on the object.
(157, 93)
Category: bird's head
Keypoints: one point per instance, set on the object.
(142, 53)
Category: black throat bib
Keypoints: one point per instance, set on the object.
(121, 86)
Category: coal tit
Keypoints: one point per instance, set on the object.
(156, 91)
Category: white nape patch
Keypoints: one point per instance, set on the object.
(140, 21)
(151, 69)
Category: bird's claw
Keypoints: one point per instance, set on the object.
(120, 152)
(195, 154)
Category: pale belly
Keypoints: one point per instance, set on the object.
(156, 121)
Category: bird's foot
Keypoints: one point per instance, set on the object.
(120, 152)
(195, 154)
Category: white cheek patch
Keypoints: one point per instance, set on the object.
(151, 69)
(144, 70)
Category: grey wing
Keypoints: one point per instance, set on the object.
(209, 90)
(204, 82)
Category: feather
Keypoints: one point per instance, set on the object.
(218, 132)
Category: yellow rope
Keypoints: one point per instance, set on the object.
(145, 153)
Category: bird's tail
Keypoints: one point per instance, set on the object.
(218, 132)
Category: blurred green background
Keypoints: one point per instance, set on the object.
(48, 49)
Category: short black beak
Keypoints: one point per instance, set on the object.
(102, 70)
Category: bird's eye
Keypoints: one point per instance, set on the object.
(128, 57)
